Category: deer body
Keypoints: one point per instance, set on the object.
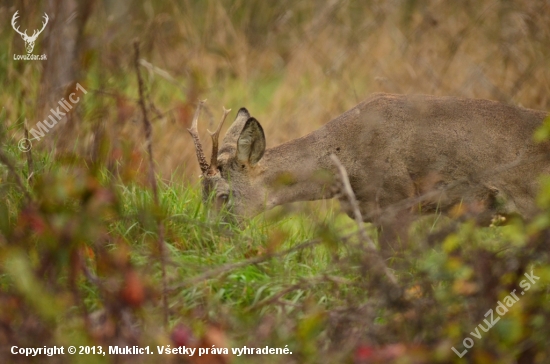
(413, 153)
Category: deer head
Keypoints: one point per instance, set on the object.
(230, 176)
(29, 40)
(390, 171)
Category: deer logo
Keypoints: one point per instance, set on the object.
(29, 40)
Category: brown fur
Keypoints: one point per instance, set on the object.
(402, 152)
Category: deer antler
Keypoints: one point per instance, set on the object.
(215, 136)
(205, 168)
(35, 34)
(195, 135)
(13, 19)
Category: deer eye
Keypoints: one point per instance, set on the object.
(220, 168)
(223, 198)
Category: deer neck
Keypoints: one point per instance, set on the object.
(299, 170)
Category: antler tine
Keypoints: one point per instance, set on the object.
(195, 135)
(215, 136)
(46, 18)
(13, 19)
(36, 33)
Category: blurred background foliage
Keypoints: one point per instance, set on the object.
(84, 244)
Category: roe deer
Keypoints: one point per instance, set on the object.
(412, 153)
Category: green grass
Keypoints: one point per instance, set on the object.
(297, 275)
(291, 276)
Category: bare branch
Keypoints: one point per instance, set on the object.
(352, 200)
(378, 262)
(30, 164)
(153, 181)
(229, 267)
(6, 160)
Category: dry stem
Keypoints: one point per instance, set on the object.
(30, 163)
(5, 160)
(378, 263)
(148, 137)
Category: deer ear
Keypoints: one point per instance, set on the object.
(251, 143)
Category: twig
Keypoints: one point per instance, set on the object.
(303, 284)
(348, 191)
(378, 262)
(229, 267)
(276, 297)
(162, 73)
(148, 137)
(5, 160)
(92, 278)
(30, 164)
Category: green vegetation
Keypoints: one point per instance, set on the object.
(80, 259)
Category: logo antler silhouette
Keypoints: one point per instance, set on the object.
(29, 40)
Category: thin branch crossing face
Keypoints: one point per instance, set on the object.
(401, 153)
